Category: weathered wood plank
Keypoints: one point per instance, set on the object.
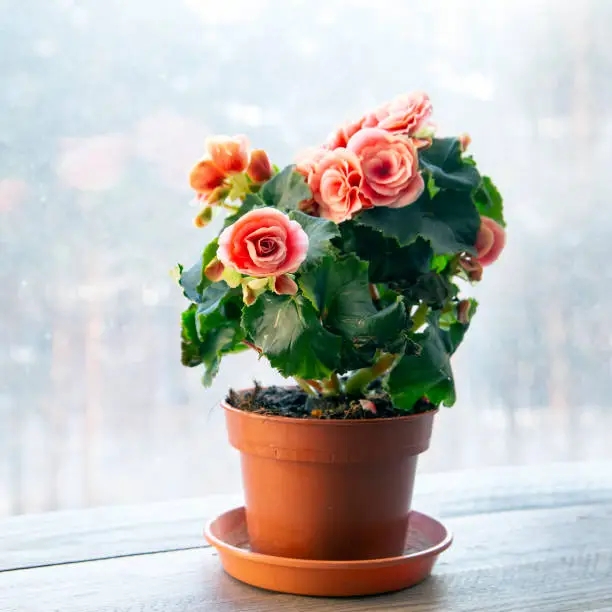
(545, 560)
(64, 537)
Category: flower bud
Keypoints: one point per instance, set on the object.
(252, 289)
(285, 285)
(217, 195)
(214, 270)
(260, 168)
(472, 268)
(463, 311)
(204, 218)
(464, 142)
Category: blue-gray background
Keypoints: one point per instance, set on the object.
(105, 105)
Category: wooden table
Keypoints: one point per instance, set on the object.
(525, 539)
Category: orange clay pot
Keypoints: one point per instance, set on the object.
(328, 489)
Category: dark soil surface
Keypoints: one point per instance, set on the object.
(293, 402)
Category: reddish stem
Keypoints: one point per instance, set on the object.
(251, 345)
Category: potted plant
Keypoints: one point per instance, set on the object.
(346, 271)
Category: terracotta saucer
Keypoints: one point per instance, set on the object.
(427, 538)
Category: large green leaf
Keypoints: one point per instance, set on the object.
(210, 330)
(386, 329)
(190, 342)
(320, 234)
(388, 260)
(205, 346)
(423, 371)
(489, 201)
(212, 297)
(339, 289)
(432, 288)
(444, 164)
(449, 221)
(193, 281)
(291, 336)
(286, 190)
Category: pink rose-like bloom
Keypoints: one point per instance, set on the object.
(490, 241)
(339, 139)
(264, 242)
(230, 155)
(390, 167)
(336, 183)
(306, 161)
(407, 114)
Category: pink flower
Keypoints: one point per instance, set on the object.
(306, 164)
(205, 177)
(226, 156)
(340, 138)
(490, 241)
(264, 242)
(390, 167)
(307, 160)
(407, 114)
(230, 155)
(336, 184)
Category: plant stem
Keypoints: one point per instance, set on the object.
(251, 345)
(316, 385)
(305, 386)
(234, 209)
(419, 317)
(333, 386)
(358, 382)
(375, 294)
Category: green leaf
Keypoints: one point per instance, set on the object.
(388, 260)
(286, 190)
(489, 201)
(212, 297)
(193, 281)
(320, 234)
(385, 330)
(209, 331)
(439, 263)
(423, 371)
(453, 334)
(432, 188)
(250, 203)
(432, 288)
(190, 342)
(449, 222)
(291, 336)
(447, 168)
(339, 289)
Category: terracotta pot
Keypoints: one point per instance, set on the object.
(328, 489)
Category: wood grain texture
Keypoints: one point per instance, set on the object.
(546, 560)
(67, 537)
(532, 541)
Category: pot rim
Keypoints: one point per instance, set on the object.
(326, 422)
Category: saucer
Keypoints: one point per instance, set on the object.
(426, 539)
